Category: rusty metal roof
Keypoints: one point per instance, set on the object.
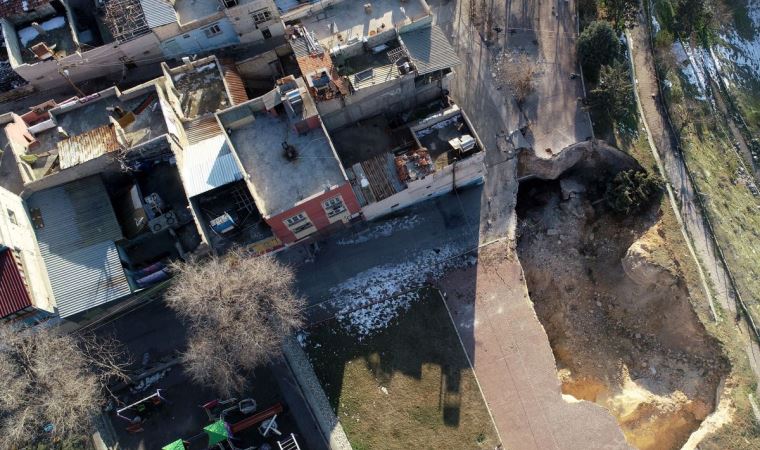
(86, 146)
(14, 295)
(234, 82)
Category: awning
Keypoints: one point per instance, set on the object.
(176, 445)
(217, 432)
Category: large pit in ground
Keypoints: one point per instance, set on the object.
(616, 309)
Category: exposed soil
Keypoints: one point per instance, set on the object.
(616, 309)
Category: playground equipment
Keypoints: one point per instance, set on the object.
(224, 433)
(142, 409)
(214, 408)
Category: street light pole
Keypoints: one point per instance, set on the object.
(65, 74)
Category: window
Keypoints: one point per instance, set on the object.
(299, 224)
(212, 31)
(12, 217)
(266, 33)
(295, 219)
(261, 16)
(334, 206)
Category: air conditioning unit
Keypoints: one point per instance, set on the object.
(464, 143)
(163, 222)
(223, 224)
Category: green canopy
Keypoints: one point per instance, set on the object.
(176, 445)
(217, 432)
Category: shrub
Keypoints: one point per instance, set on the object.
(598, 45)
(631, 190)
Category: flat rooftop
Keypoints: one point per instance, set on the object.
(279, 182)
(191, 10)
(350, 20)
(57, 36)
(87, 129)
(201, 89)
(373, 66)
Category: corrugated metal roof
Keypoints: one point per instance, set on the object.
(14, 295)
(76, 228)
(234, 81)
(208, 165)
(158, 12)
(429, 49)
(87, 146)
(202, 128)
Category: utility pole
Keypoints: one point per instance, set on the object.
(65, 74)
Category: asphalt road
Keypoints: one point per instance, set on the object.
(396, 251)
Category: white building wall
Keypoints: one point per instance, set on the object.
(21, 238)
(247, 30)
(98, 62)
(467, 171)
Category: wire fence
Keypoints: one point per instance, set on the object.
(738, 298)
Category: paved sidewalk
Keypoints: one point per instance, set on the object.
(514, 364)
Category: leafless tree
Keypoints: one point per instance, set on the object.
(517, 73)
(239, 309)
(53, 384)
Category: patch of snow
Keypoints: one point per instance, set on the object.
(442, 124)
(734, 54)
(28, 34)
(689, 69)
(655, 24)
(371, 300)
(302, 337)
(55, 22)
(382, 229)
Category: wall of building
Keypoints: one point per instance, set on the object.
(263, 66)
(392, 97)
(101, 61)
(21, 237)
(196, 41)
(466, 172)
(314, 210)
(248, 31)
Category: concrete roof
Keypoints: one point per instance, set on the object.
(76, 229)
(350, 19)
(280, 184)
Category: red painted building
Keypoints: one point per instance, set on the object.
(290, 165)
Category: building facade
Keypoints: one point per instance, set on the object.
(25, 293)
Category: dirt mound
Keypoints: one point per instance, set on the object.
(612, 300)
(642, 266)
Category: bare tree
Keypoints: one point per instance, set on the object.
(53, 384)
(517, 73)
(239, 309)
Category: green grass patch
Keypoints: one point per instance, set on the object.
(407, 386)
